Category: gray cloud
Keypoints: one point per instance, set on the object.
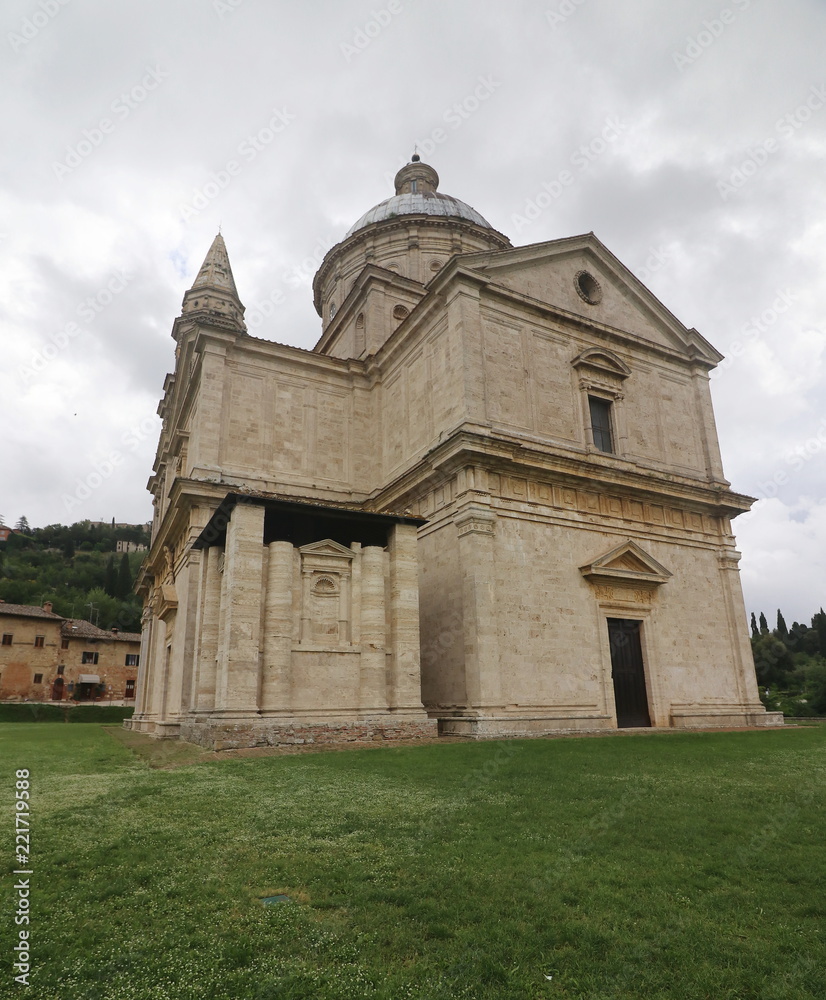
(698, 96)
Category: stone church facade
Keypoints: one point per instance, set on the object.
(490, 501)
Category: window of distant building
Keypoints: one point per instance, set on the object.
(39, 641)
(130, 689)
(38, 678)
(61, 668)
(88, 657)
(7, 639)
(132, 660)
(64, 643)
(601, 423)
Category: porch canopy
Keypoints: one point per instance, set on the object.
(303, 523)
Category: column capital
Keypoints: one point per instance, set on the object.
(475, 519)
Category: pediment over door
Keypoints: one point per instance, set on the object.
(628, 563)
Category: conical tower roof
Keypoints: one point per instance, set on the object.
(213, 295)
(215, 271)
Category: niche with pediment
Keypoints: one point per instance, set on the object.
(326, 594)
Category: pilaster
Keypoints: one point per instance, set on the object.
(373, 686)
(476, 526)
(405, 677)
(210, 606)
(278, 628)
(239, 669)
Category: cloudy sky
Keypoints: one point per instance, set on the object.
(689, 136)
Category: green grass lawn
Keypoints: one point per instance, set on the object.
(651, 866)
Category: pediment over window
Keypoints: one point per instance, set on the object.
(602, 361)
(165, 601)
(627, 563)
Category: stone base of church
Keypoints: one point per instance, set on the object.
(233, 734)
(724, 718)
(152, 727)
(493, 727)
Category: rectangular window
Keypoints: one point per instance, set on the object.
(61, 668)
(6, 639)
(39, 641)
(38, 678)
(601, 423)
(132, 660)
(88, 657)
(64, 643)
(130, 689)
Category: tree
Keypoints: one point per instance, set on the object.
(23, 525)
(782, 631)
(764, 625)
(819, 625)
(755, 634)
(123, 587)
(110, 579)
(772, 661)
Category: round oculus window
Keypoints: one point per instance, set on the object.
(588, 288)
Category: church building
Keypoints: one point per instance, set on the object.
(489, 502)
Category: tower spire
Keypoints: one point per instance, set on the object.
(213, 295)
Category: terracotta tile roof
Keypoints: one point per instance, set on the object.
(77, 628)
(28, 611)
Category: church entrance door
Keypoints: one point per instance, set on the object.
(628, 673)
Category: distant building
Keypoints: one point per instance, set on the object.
(124, 546)
(44, 657)
(5, 532)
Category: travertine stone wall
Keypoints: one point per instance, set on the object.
(534, 634)
(321, 635)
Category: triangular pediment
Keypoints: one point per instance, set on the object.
(326, 547)
(581, 276)
(605, 362)
(627, 562)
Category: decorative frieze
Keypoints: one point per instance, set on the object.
(599, 504)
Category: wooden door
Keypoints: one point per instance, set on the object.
(628, 673)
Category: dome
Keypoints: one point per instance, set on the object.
(417, 194)
(432, 203)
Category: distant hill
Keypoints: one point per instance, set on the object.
(78, 568)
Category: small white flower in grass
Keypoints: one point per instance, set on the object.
(549, 977)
